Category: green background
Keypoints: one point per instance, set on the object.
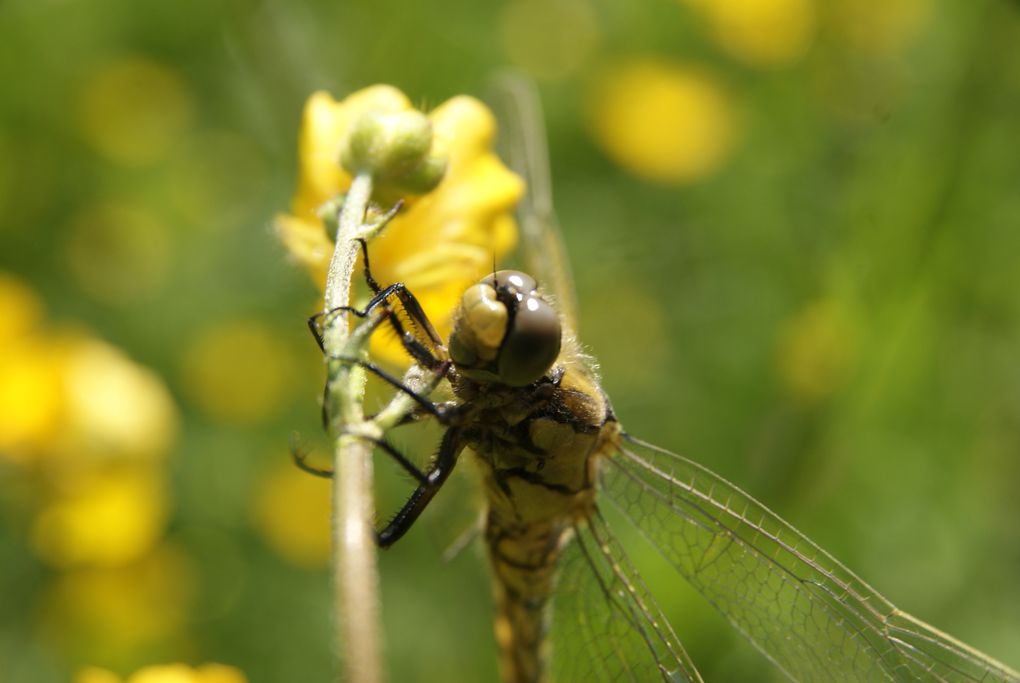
(887, 190)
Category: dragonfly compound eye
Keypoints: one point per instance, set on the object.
(532, 343)
(505, 332)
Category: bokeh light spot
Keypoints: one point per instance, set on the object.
(762, 33)
(549, 39)
(627, 306)
(180, 673)
(816, 350)
(663, 122)
(118, 254)
(218, 180)
(20, 308)
(107, 519)
(115, 407)
(94, 674)
(133, 111)
(292, 512)
(109, 615)
(878, 29)
(31, 397)
(239, 372)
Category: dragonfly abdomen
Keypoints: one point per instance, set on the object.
(524, 566)
(537, 465)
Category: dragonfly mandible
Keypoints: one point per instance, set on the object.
(528, 404)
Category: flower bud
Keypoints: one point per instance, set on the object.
(396, 148)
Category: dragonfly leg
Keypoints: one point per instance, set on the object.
(444, 463)
(423, 344)
(429, 482)
(428, 406)
(301, 460)
(315, 322)
(372, 284)
(318, 322)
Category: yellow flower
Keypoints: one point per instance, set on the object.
(878, 29)
(166, 673)
(69, 395)
(762, 33)
(133, 111)
(20, 308)
(110, 615)
(29, 381)
(30, 398)
(441, 242)
(104, 518)
(817, 349)
(114, 408)
(663, 122)
(292, 511)
(95, 425)
(239, 371)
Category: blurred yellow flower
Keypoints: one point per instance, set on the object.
(91, 426)
(118, 253)
(111, 614)
(761, 33)
(239, 371)
(166, 673)
(69, 395)
(663, 122)
(20, 308)
(878, 29)
(113, 407)
(133, 110)
(441, 242)
(292, 511)
(31, 397)
(816, 350)
(105, 518)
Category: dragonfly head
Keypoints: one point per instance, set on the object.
(505, 332)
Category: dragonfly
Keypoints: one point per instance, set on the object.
(555, 460)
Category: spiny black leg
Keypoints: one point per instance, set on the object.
(417, 314)
(418, 351)
(322, 410)
(397, 384)
(412, 343)
(400, 458)
(445, 461)
(300, 459)
(315, 322)
(316, 329)
(372, 284)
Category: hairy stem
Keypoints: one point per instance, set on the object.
(355, 577)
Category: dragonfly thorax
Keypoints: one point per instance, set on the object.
(504, 331)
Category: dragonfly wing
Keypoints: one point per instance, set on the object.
(606, 625)
(804, 610)
(523, 148)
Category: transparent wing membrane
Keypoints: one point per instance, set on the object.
(808, 614)
(804, 610)
(606, 625)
